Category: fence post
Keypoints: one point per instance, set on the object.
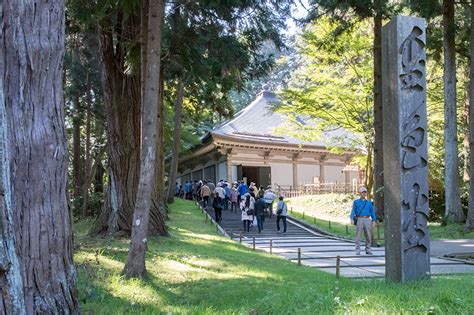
(303, 215)
(338, 265)
(299, 256)
(254, 243)
(231, 235)
(329, 224)
(378, 231)
(347, 229)
(240, 237)
(314, 220)
(271, 247)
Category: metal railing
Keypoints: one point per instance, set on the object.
(315, 189)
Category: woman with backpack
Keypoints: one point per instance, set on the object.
(247, 205)
(282, 212)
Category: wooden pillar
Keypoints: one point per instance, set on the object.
(229, 168)
(347, 179)
(322, 180)
(295, 169)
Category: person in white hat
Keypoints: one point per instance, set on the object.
(363, 216)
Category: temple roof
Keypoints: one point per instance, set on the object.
(259, 122)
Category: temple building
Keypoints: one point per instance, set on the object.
(246, 147)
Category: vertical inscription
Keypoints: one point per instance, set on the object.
(414, 160)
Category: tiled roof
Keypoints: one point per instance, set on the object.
(258, 122)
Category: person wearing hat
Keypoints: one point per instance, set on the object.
(363, 216)
(269, 197)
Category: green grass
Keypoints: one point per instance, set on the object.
(196, 271)
(335, 208)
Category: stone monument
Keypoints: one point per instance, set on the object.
(405, 147)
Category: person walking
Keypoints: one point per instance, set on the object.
(205, 194)
(269, 197)
(217, 205)
(261, 192)
(282, 212)
(219, 194)
(260, 206)
(234, 199)
(363, 216)
(242, 189)
(227, 195)
(247, 206)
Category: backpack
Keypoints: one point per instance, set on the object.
(217, 204)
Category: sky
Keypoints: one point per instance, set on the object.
(299, 12)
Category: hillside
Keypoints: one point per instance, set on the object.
(196, 271)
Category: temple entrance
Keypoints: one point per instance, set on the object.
(260, 175)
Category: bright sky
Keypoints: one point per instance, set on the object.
(300, 11)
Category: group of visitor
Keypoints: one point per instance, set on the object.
(255, 208)
(254, 203)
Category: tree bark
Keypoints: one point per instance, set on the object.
(34, 161)
(122, 110)
(378, 141)
(465, 129)
(453, 211)
(87, 179)
(176, 142)
(77, 168)
(469, 225)
(135, 266)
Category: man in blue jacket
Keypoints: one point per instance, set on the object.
(363, 214)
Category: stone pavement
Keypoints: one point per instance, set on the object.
(320, 251)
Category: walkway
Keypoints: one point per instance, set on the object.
(320, 251)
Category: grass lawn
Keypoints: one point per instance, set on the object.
(196, 271)
(330, 212)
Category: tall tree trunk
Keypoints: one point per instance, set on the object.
(34, 162)
(87, 180)
(12, 300)
(122, 110)
(158, 213)
(453, 211)
(469, 225)
(465, 128)
(77, 169)
(135, 266)
(99, 178)
(378, 141)
(176, 142)
(122, 99)
(159, 210)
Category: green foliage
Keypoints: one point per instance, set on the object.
(334, 86)
(196, 271)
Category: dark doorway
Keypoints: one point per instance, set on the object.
(260, 175)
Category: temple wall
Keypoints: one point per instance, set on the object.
(282, 174)
(306, 173)
(334, 174)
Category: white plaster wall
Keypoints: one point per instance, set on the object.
(333, 174)
(306, 172)
(282, 174)
(222, 171)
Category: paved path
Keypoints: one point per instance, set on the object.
(320, 251)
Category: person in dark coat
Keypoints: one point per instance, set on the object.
(260, 206)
